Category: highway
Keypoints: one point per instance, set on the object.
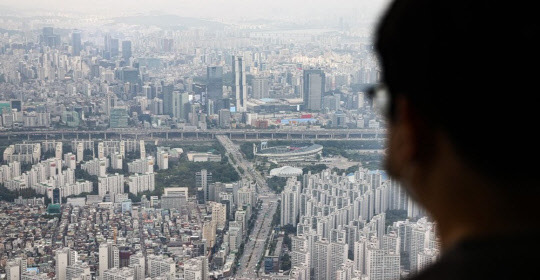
(255, 246)
(176, 134)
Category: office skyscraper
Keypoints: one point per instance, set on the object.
(261, 88)
(180, 103)
(203, 181)
(107, 46)
(314, 83)
(214, 82)
(76, 42)
(126, 50)
(107, 42)
(113, 47)
(239, 83)
(167, 99)
(224, 118)
(48, 37)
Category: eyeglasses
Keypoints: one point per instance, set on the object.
(380, 96)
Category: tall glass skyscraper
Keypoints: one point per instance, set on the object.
(314, 84)
(239, 83)
(214, 82)
(76, 42)
(126, 50)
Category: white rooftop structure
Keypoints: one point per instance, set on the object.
(286, 171)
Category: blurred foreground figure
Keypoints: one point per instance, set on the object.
(461, 79)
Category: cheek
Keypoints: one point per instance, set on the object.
(392, 161)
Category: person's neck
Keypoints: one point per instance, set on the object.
(474, 223)
(466, 205)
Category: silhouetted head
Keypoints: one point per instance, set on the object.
(461, 77)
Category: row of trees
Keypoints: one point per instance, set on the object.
(9, 195)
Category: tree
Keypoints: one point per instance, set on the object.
(286, 262)
(317, 168)
(394, 216)
(276, 183)
(247, 150)
(289, 229)
(9, 195)
(88, 155)
(287, 241)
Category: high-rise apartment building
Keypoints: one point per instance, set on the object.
(138, 263)
(109, 257)
(163, 160)
(64, 257)
(161, 266)
(14, 269)
(111, 183)
(320, 260)
(115, 273)
(382, 264)
(196, 269)
(141, 182)
(78, 270)
(289, 202)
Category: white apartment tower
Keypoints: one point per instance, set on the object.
(161, 266)
(80, 152)
(142, 149)
(78, 270)
(64, 257)
(58, 151)
(70, 161)
(138, 264)
(112, 184)
(163, 160)
(15, 268)
(109, 257)
(289, 202)
(196, 269)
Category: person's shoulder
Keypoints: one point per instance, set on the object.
(485, 259)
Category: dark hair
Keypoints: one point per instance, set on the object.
(468, 67)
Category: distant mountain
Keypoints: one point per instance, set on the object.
(169, 21)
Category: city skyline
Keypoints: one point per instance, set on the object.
(198, 140)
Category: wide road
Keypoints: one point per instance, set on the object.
(254, 247)
(179, 134)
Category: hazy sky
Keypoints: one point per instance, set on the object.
(225, 9)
